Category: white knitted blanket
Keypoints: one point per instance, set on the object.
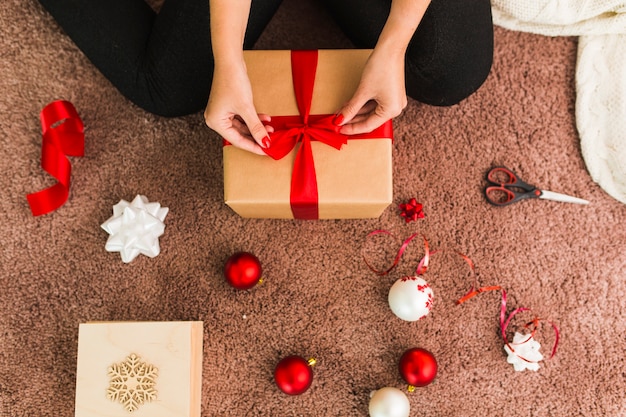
(600, 74)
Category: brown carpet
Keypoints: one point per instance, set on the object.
(566, 262)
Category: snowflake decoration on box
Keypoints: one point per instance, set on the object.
(132, 383)
(135, 228)
(523, 352)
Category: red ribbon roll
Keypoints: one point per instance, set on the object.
(63, 135)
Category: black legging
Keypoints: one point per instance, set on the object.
(163, 62)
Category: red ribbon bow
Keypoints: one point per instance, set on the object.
(411, 210)
(63, 135)
(289, 130)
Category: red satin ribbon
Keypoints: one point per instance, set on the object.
(422, 266)
(504, 324)
(289, 130)
(475, 290)
(63, 135)
(506, 320)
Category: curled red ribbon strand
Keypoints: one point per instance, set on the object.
(474, 290)
(422, 266)
(504, 324)
(289, 130)
(62, 136)
(506, 320)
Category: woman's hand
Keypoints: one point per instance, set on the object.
(230, 110)
(231, 113)
(381, 94)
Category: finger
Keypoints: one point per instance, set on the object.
(367, 108)
(235, 138)
(367, 125)
(241, 127)
(256, 128)
(265, 118)
(358, 118)
(366, 111)
(350, 109)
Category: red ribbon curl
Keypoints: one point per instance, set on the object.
(62, 135)
(422, 266)
(505, 320)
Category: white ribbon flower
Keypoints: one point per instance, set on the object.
(523, 352)
(135, 228)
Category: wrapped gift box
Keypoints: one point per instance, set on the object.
(151, 369)
(352, 182)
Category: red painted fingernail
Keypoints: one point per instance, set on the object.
(266, 142)
(338, 119)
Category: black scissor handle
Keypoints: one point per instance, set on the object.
(504, 177)
(507, 187)
(499, 195)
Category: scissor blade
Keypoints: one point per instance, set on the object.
(550, 195)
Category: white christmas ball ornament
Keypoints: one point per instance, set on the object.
(389, 402)
(411, 298)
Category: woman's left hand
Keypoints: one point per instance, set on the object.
(380, 96)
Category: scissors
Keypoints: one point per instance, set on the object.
(507, 188)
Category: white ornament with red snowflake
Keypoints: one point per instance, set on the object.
(411, 298)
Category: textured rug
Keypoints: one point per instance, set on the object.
(566, 262)
(600, 75)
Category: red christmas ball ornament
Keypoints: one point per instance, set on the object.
(242, 270)
(418, 367)
(294, 374)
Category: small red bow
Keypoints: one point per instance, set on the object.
(412, 210)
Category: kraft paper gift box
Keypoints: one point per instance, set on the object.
(354, 181)
(143, 369)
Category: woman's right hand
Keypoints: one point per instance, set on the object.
(230, 110)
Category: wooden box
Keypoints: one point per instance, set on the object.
(143, 369)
